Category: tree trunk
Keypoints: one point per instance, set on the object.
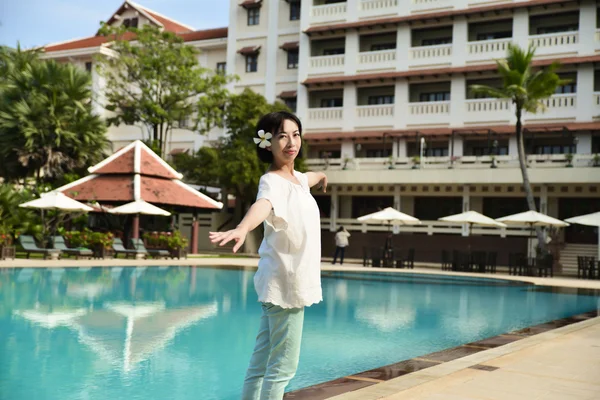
(526, 184)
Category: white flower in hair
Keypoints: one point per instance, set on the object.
(263, 139)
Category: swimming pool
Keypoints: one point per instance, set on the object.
(187, 333)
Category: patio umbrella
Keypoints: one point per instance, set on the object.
(51, 319)
(389, 216)
(592, 219)
(533, 219)
(472, 218)
(55, 201)
(139, 207)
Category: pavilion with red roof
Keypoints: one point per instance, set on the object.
(135, 172)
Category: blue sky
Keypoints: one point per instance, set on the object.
(39, 22)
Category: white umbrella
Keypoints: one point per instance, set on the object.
(139, 207)
(532, 218)
(592, 219)
(56, 201)
(472, 218)
(389, 216)
(51, 319)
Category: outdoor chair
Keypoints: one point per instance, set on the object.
(29, 247)
(408, 261)
(120, 249)
(138, 244)
(492, 258)
(366, 256)
(543, 265)
(460, 261)
(517, 263)
(60, 244)
(446, 261)
(376, 257)
(586, 267)
(478, 261)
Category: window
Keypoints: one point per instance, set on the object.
(292, 59)
(556, 29)
(324, 154)
(435, 96)
(480, 151)
(383, 46)
(494, 35)
(294, 10)
(291, 103)
(88, 66)
(253, 16)
(221, 67)
(183, 122)
(333, 52)
(568, 88)
(333, 102)
(436, 151)
(130, 22)
(383, 99)
(378, 153)
(251, 62)
(436, 41)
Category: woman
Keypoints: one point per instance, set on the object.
(288, 277)
(341, 242)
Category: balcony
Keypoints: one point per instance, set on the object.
(555, 43)
(558, 106)
(485, 50)
(327, 13)
(376, 115)
(377, 8)
(486, 110)
(327, 65)
(418, 6)
(429, 113)
(438, 55)
(326, 117)
(377, 60)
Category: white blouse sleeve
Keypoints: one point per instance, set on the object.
(269, 190)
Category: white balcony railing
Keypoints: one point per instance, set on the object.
(488, 105)
(429, 108)
(560, 101)
(376, 111)
(562, 42)
(430, 55)
(426, 227)
(384, 59)
(487, 49)
(534, 161)
(328, 12)
(325, 113)
(428, 5)
(377, 7)
(327, 64)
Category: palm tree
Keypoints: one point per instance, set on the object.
(527, 88)
(47, 126)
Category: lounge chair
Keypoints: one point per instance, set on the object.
(120, 249)
(29, 246)
(60, 244)
(138, 244)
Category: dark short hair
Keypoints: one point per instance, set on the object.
(273, 122)
(341, 228)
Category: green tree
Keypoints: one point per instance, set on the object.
(15, 219)
(232, 163)
(47, 126)
(156, 80)
(527, 88)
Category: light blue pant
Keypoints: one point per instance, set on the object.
(276, 353)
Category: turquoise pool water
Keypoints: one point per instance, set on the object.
(187, 333)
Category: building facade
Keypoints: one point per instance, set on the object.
(382, 89)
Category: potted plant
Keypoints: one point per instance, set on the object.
(177, 244)
(100, 243)
(391, 162)
(416, 162)
(6, 248)
(569, 158)
(596, 160)
(346, 161)
(494, 162)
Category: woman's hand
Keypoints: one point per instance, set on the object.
(238, 234)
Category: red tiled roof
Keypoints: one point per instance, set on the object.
(150, 166)
(498, 129)
(123, 164)
(205, 34)
(169, 24)
(290, 46)
(251, 3)
(93, 41)
(249, 50)
(165, 191)
(435, 15)
(439, 71)
(288, 94)
(112, 188)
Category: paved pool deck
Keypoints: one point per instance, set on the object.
(559, 364)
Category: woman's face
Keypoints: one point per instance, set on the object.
(286, 143)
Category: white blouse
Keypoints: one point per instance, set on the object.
(289, 269)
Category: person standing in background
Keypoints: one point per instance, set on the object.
(341, 242)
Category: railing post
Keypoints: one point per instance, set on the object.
(333, 209)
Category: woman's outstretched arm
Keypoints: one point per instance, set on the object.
(317, 177)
